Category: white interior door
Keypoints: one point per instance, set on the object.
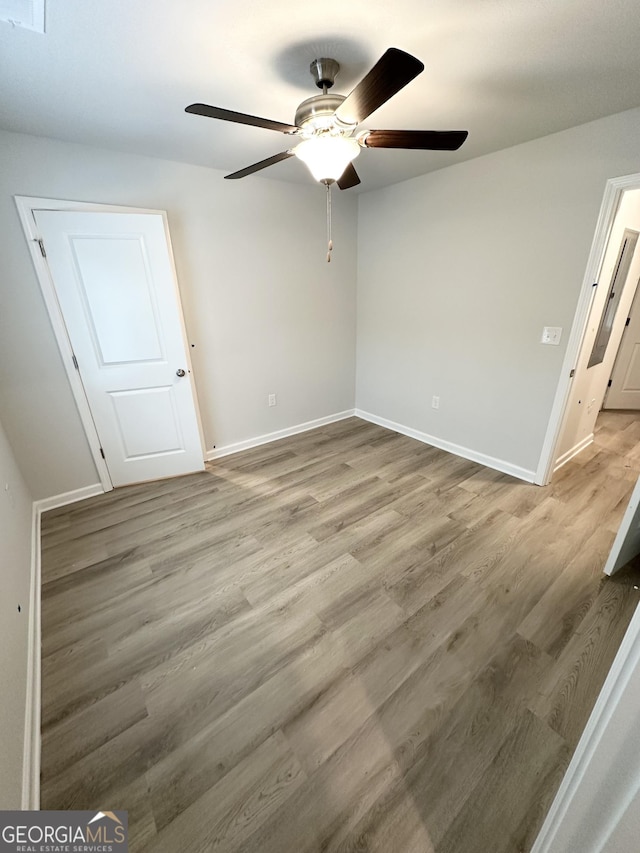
(624, 391)
(114, 280)
(626, 545)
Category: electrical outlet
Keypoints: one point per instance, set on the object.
(435, 402)
(272, 400)
(551, 335)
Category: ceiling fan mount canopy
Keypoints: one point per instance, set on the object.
(333, 119)
(324, 71)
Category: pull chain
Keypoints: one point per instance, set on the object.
(329, 240)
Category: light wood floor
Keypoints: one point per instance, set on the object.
(344, 641)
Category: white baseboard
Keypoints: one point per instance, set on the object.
(562, 460)
(238, 447)
(31, 750)
(65, 498)
(456, 449)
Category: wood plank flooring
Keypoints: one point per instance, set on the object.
(343, 641)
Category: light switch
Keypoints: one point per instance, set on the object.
(551, 335)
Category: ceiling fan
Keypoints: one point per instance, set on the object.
(327, 124)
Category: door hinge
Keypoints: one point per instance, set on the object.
(75, 362)
(40, 243)
(609, 383)
(628, 321)
(572, 373)
(102, 453)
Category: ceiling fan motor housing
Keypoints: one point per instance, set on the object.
(318, 112)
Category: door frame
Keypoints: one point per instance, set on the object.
(26, 205)
(614, 190)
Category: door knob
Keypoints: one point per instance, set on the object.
(180, 372)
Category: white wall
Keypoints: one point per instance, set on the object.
(15, 563)
(265, 310)
(458, 272)
(590, 383)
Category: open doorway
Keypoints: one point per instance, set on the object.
(599, 328)
(611, 304)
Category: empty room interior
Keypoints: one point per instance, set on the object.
(320, 423)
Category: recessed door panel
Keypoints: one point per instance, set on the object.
(632, 378)
(115, 287)
(147, 420)
(624, 385)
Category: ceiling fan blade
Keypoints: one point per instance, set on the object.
(270, 161)
(240, 118)
(429, 140)
(392, 72)
(349, 178)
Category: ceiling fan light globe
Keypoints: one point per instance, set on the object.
(327, 157)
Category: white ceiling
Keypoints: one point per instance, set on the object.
(119, 73)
